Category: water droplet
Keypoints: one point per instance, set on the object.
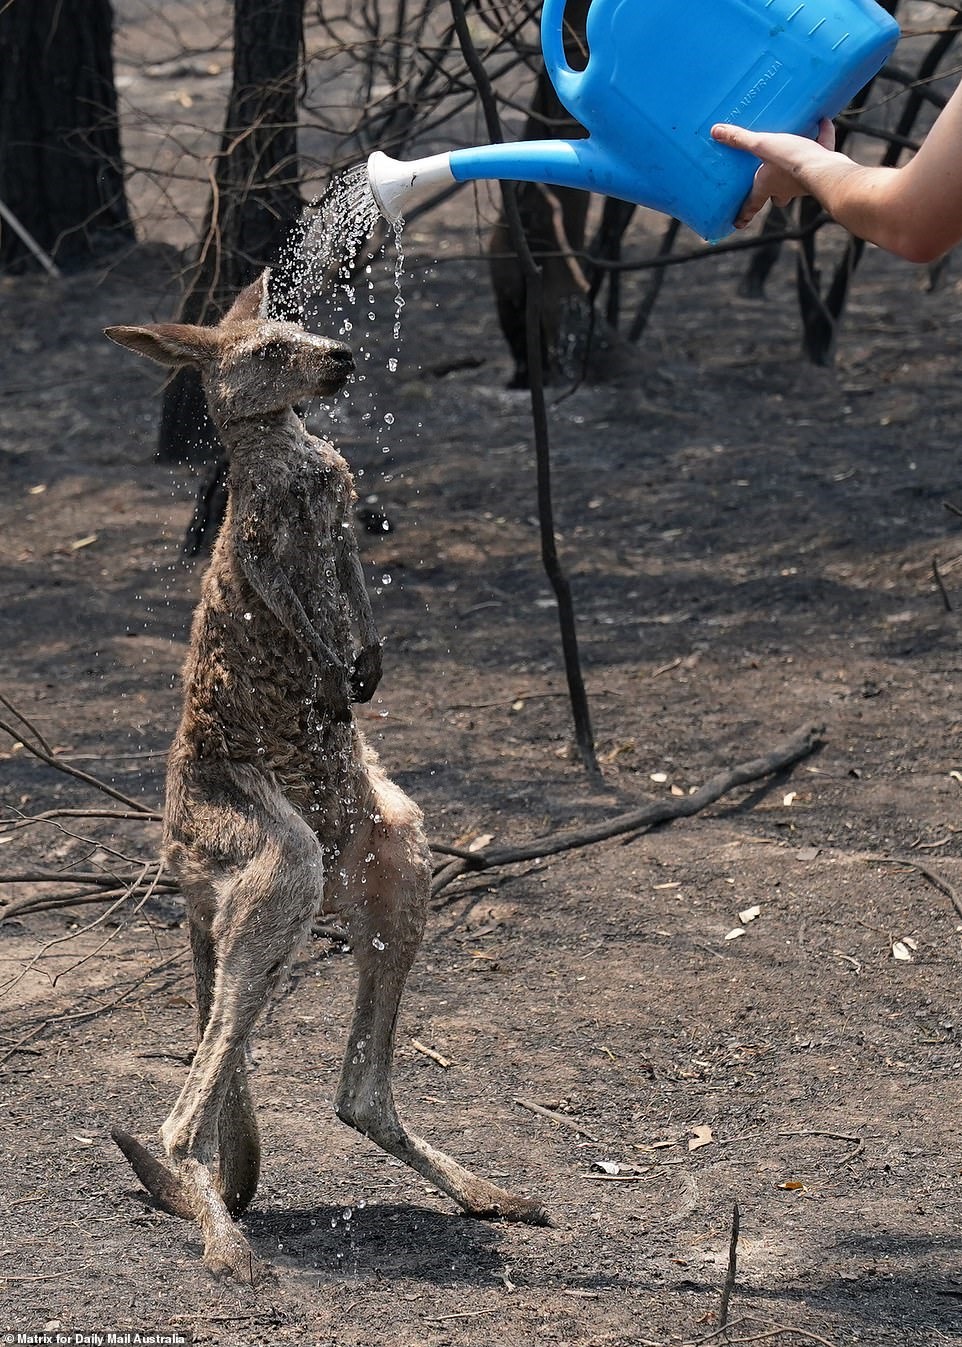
(385, 579)
(378, 943)
(389, 418)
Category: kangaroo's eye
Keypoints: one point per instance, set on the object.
(272, 350)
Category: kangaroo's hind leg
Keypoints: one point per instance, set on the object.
(238, 1138)
(238, 1146)
(383, 898)
(263, 909)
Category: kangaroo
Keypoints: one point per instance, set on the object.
(276, 808)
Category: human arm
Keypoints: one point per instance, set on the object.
(914, 211)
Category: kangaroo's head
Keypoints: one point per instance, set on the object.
(251, 365)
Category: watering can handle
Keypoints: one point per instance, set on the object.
(563, 77)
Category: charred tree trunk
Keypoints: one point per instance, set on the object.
(60, 165)
(554, 221)
(254, 205)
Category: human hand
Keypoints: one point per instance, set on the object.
(784, 157)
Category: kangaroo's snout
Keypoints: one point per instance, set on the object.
(341, 357)
(334, 367)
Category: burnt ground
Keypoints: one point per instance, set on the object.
(750, 543)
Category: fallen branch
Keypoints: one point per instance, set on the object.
(554, 1117)
(128, 892)
(28, 906)
(102, 889)
(51, 760)
(799, 745)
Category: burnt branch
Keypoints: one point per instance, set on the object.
(584, 735)
(805, 741)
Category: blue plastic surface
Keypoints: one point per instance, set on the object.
(661, 73)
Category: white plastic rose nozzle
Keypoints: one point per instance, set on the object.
(396, 184)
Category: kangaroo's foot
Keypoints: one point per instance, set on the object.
(226, 1251)
(370, 1110)
(164, 1187)
(192, 1194)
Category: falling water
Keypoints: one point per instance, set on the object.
(330, 276)
(334, 231)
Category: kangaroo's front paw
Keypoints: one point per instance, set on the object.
(366, 673)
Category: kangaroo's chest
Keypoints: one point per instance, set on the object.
(253, 682)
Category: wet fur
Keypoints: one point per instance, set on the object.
(277, 809)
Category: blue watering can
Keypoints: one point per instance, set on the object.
(660, 74)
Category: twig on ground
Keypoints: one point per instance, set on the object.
(715, 1333)
(618, 1178)
(666, 668)
(833, 1136)
(112, 885)
(52, 760)
(762, 1335)
(126, 893)
(946, 601)
(799, 745)
(780, 1330)
(28, 906)
(731, 1273)
(926, 871)
(459, 1314)
(554, 1117)
(24, 720)
(21, 1047)
(430, 1052)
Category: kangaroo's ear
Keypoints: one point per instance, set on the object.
(252, 301)
(172, 344)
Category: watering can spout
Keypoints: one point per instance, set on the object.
(395, 184)
(560, 163)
